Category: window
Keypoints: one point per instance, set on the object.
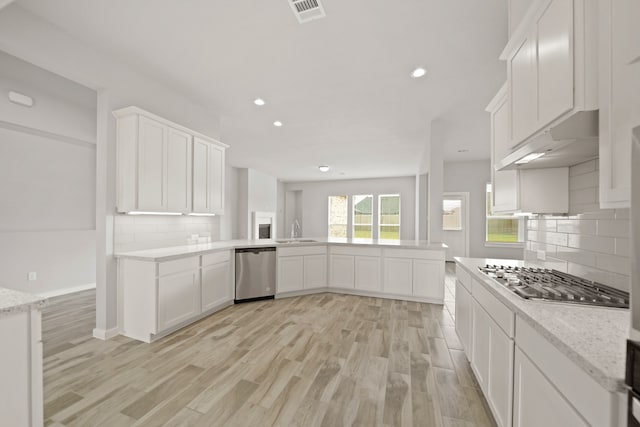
(389, 208)
(452, 214)
(503, 228)
(338, 215)
(363, 217)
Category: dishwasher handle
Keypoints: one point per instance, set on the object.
(255, 250)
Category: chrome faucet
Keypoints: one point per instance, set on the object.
(295, 229)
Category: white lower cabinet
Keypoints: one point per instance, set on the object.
(428, 279)
(216, 285)
(341, 271)
(302, 268)
(21, 398)
(536, 401)
(464, 318)
(178, 298)
(398, 276)
(367, 273)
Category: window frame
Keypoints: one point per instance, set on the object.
(353, 215)
(489, 216)
(399, 225)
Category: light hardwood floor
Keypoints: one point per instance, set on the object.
(320, 360)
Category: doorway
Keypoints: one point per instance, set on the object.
(455, 224)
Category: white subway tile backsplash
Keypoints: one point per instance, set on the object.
(623, 213)
(581, 182)
(623, 247)
(613, 263)
(576, 226)
(619, 281)
(552, 238)
(576, 256)
(613, 228)
(582, 197)
(592, 243)
(582, 168)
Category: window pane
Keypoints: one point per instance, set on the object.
(389, 217)
(338, 211)
(391, 232)
(501, 230)
(452, 214)
(363, 217)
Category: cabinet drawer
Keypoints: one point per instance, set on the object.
(356, 251)
(591, 400)
(215, 258)
(502, 315)
(178, 265)
(302, 250)
(414, 253)
(463, 277)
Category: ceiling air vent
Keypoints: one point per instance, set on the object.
(307, 10)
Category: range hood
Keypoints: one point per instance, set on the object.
(568, 143)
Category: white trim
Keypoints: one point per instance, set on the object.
(518, 245)
(380, 196)
(65, 291)
(465, 199)
(104, 335)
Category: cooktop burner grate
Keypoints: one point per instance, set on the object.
(552, 285)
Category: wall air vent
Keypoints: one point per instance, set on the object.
(307, 10)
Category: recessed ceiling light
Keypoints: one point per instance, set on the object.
(277, 123)
(259, 101)
(418, 72)
(323, 168)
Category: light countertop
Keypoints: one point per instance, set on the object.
(14, 301)
(594, 338)
(165, 254)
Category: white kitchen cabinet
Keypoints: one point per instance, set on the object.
(537, 402)
(367, 273)
(21, 397)
(464, 317)
(208, 177)
(427, 279)
(302, 268)
(217, 287)
(552, 66)
(619, 46)
(492, 362)
(517, 9)
(341, 271)
(398, 276)
(315, 271)
(178, 298)
(159, 169)
(290, 273)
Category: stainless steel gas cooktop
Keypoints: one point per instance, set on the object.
(553, 285)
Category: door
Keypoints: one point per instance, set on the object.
(455, 224)
(152, 163)
(481, 341)
(398, 276)
(428, 280)
(367, 273)
(216, 179)
(315, 271)
(523, 87)
(201, 181)
(290, 274)
(178, 171)
(464, 318)
(178, 298)
(215, 285)
(341, 271)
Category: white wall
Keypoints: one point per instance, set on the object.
(591, 242)
(315, 196)
(28, 37)
(47, 181)
(472, 177)
(256, 192)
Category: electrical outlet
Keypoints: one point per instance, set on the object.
(542, 255)
(32, 276)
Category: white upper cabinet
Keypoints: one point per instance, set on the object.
(551, 65)
(161, 169)
(620, 97)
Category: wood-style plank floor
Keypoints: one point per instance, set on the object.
(319, 360)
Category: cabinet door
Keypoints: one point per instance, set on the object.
(555, 61)
(201, 181)
(523, 86)
(315, 271)
(481, 332)
(179, 160)
(152, 164)
(341, 271)
(428, 279)
(464, 318)
(367, 270)
(216, 285)
(290, 274)
(398, 276)
(505, 183)
(500, 388)
(536, 402)
(178, 298)
(216, 179)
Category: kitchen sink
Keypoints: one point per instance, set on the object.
(293, 241)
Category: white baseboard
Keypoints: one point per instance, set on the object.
(103, 334)
(65, 291)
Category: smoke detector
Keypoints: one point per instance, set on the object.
(307, 10)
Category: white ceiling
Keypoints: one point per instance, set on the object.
(340, 85)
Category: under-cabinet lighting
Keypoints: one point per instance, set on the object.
(529, 157)
(153, 213)
(201, 214)
(523, 214)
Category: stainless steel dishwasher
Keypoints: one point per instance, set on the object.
(255, 274)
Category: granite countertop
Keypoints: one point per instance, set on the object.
(14, 301)
(592, 337)
(174, 252)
